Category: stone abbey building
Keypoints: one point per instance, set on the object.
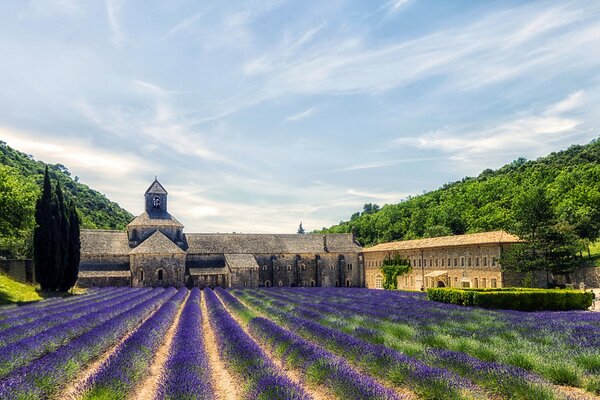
(470, 260)
(154, 251)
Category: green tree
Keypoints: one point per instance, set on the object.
(550, 245)
(71, 270)
(393, 267)
(17, 208)
(301, 230)
(47, 239)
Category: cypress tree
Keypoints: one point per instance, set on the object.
(73, 249)
(62, 219)
(44, 250)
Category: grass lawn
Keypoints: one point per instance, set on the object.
(16, 292)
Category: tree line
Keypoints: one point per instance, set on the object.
(553, 202)
(21, 178)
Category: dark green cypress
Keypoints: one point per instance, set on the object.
(42, 239)
(62, 217)
(73, 249)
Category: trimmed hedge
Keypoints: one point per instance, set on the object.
(522, 299)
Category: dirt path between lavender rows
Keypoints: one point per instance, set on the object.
(146, 390)
(74, 389)
(291, 374)
(403, 392)
(224, 385)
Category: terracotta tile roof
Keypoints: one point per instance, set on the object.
(96, 242)
(495, 237)
(157, 243)
(238, 243)
(145, 220)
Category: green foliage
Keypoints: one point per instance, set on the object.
(56, 240)
(392, 268)
(571, 183)
(522, 299)
(301, 230)
(17, 200)
(20, 179)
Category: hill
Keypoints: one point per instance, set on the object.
(21, 177)
(571, 179)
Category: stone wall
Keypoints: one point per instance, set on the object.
(102, 282)
(158, 270)
(463, 266)
(19, 270)
(325, 269)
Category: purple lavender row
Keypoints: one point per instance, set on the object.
(331, 371)
(186, 374)
(496, 377)
(247, 359)
(25, 350)
(46, 304)
(130, 361)
(578, 329)
(39, 325)
(398, 368)
(575, 333)
(44, 377)
(21, 319)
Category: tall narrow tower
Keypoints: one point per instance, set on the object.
(156, 200)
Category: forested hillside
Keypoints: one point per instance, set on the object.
(20, 186)
(571, 179)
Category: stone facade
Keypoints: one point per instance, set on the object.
(154, 251)
(451, 261)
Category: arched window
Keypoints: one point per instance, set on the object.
(265, 267)
(379, 282)
(280, 283)
(160, 274)
(337, 283)
(303, 267)
(347, 282)
(312, 283)
(289, 267)
(267, 283)
(141, 275)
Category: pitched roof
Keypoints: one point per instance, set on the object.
(157, 243)
(240, 261)
(156, 188)
(208, 271)
(237, 243)
(496, 237)
(145, 220)
(96, 241)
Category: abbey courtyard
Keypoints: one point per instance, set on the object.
(155, 251)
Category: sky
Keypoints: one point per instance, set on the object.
(256, 115)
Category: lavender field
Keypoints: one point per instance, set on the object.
(291, 343)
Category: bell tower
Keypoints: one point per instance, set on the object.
(156, 200)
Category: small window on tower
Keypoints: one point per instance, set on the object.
(156, 202)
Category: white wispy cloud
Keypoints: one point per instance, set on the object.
(300, 116)
(185, 24)
(520, 134)
(112, 16)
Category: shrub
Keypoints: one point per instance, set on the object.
(522, 299)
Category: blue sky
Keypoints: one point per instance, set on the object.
(256, 115)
